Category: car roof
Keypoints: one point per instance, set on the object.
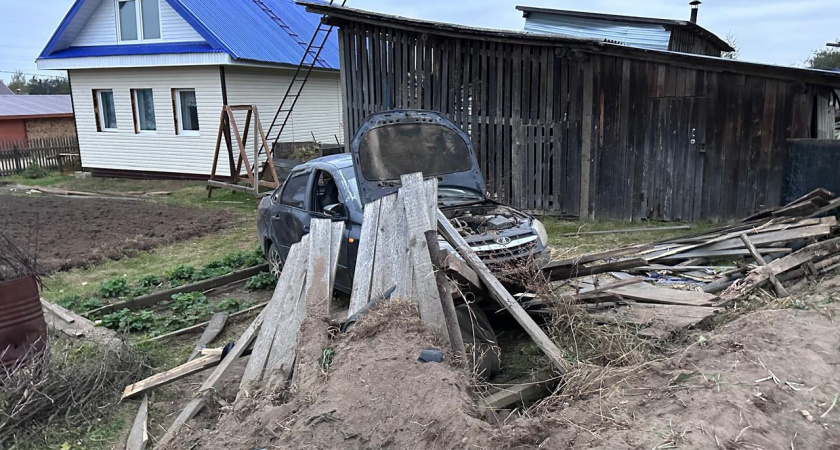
(339, 161)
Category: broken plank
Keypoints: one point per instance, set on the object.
(453, 329)
(58, 312)
(655, 320)
(510, 395)
(565, 273)
(139, 435)
(725, 253)
(501, 295)
(160, 379)
(362, 278)
(645, 293)
(214, 327)
(780, 289)
(629, 230)
(598, 291)
(592, 257)
(773, 237)
(461, 271)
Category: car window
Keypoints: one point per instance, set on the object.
(294, 192)
(325, 192)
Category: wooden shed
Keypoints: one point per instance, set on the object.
(588, 128)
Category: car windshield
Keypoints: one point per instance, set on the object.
(389, 151)
(456, 195)
(347, 176)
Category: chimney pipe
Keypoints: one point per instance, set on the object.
(695, 5)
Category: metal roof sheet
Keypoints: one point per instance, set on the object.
(35, 105)
(241, 28)
(4, 90)
(644, 35)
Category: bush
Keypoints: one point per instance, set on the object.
(261, 282)
(149, 281)
(34, 171)
(113, 288)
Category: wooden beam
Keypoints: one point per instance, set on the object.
(515, 394)
(461, 271)
(57, 311)
(456, 340)
(171, 375)
(501, 295)
(139, 435)
(565, 273)
(629, 230)
(592, 257)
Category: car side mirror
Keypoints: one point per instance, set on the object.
(336, 211)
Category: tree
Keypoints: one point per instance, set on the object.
(38, 85)
(825, 59)
(732, 40)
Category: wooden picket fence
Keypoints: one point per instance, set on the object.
(57, 154)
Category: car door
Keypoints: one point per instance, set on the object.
(290, 218)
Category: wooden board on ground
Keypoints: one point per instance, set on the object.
(645, 293)
(170, 376)
(214, 327)
(592, 257)
(139, 435)
(57, 318)
(656, 321)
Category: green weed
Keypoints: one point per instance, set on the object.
(261, 282)
(114, 288)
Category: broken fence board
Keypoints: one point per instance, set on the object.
(363, 275)
(171, 375)
(780, 289)
(656, 320)
(391, 261)
(58, 312)
(565, 273)
(772, 237)
(198, 403)
(424, 293)
(288, 288)
(453, 330)
(725, 253)
(214, 327)
(592, 257)
(628, 230)
(139, 435)
(501, 295)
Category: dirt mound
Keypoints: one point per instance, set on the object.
(762, 381)
(76, 232)
(375, 394)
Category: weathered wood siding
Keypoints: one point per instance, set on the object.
(571, 133)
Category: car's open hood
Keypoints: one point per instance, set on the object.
(394, 143)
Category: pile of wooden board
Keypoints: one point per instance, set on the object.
(674, 284)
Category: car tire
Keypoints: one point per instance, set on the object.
(275, 260)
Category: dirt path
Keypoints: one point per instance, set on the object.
(76, 232)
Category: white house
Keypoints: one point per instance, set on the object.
(149, 78)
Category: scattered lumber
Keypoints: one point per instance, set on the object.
(656, 321)
(172, 375)
(565, 273)
(214, 327)
(628, 230)
(780, 290)
(139, 435)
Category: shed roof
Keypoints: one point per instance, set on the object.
(602, 46)
(34, 106)
(635, 20)
(4, 90)
(244, 29)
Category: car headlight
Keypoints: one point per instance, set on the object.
(538, 228)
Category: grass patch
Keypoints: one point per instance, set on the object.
(571, 246)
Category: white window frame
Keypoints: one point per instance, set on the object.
(136, 104)
(102, 113)
(138, 11)
(176, 93)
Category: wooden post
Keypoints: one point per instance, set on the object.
(452, 327)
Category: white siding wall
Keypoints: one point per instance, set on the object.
(318, 110)
(163, 151)
(101, 29)
(174, 28)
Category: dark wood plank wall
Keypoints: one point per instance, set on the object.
(663, 142)
(687, 41)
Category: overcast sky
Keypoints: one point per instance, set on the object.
(771, 31)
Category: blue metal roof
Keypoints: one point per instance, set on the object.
(135, 49)
(650, 36)
(240, 28)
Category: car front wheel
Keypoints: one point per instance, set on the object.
(275, 261)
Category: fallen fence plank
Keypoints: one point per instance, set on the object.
(160, 379)
(363, 275)
(724, 253)
(461, 271)
(772, 237)
(139, 435)
(214, 327)
(198, 403)
(656, 320)
(592, 257)
(566, 273)
(501, 295)
(157, 297)
(629, 230)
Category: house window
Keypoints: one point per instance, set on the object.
(143, 103)
(186, 111)
(106, 114)
(138, 19)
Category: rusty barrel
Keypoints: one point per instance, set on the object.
(22, 322)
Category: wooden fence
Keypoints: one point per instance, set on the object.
(57, 154)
